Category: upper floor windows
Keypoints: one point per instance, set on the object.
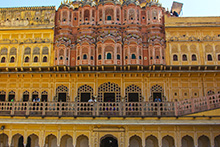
(209, 57)
(3, 60)
(109, 18)
(133, 56)
(109, 56)
(99, 57)
(44, 59)
(12, 60)
(194, 57)
(84, 56)
(26, 59)
(219, 57)
(175, 58)
(35, 59)
(184, 57)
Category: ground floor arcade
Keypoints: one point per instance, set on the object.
(110, 132)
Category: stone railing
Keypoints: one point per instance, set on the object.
(107, 109)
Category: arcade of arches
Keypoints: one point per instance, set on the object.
(91, 136)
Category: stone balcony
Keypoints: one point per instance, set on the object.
(110, 109)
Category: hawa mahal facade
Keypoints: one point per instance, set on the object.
(108, 73)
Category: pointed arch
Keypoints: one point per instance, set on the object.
(168, 141)
(51, 141)
(82, 140)
(109, 92)
(135, 141)
(187, 141)
(66, 141)
(133, 93)
(203, 141)
(108, 140)
(151, 141)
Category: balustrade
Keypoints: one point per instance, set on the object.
(106, 109)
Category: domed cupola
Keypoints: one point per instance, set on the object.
(149, 3)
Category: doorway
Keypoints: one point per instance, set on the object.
(109, 142)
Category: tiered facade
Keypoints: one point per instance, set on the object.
(154, 77)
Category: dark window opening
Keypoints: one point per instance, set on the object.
(209, 57)
(25, 98)
(34, 97)
(175, 58)
(26, 59)
(218, 57)
(118, 57)
(139, 57)
(11, 97)
(109, 142)
(45, 59)
(157, 57)
(12, 60)
(35, 59)
(61, 58)
(151, 57)
(133, 56)
(155, 18)
(109, 18)
(109, 97)
(91, 58)
(64, 19)
(109, 56)
(3, 60)
(44, 98)
(62, 97)
(78, 58)
(184, 58)
(2, 97)
(194, 58)
(126, 57)
(157, 97)
(85, 97)
(84, 56)
(100, 57)
(75, 18)
(133, 97)
(143, 17)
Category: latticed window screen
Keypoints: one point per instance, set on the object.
(109, 88)
(132, 89)
(84, 89)
(157, 89)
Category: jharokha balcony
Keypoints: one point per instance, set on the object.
(110, 109)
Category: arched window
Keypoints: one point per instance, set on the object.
(109, 56)
(84, 56)
(209, 57)
(118, 57)
(12, 60)
(219, 57)
(45, 59)
(184, 58)
(11, 96)
(78, 58)
(133, 56)
(25, 96)
(26, 59)
(3, 60)
(109, 18)
(126, 57)
(100, 57)
(44, 96)
(35, 59)
(91, 57)
(194, 57)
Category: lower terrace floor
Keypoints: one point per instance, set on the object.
(90, 132)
